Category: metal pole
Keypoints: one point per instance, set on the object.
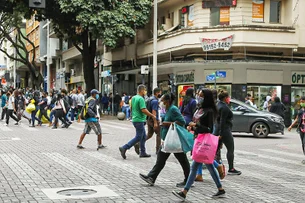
(15, 64)
(112, 97)
(48, 57)
(155, 72)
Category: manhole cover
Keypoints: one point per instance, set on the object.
(76, 192)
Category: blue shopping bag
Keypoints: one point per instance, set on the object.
(186, 138)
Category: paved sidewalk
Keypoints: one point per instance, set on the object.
(37, 162)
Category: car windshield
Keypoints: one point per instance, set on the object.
(240, 106)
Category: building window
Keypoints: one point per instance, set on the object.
(172, 19)
(275, 11)
(181, 19)
(215, 16)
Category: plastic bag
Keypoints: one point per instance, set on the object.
(186, 138)
(172, 143)
(205, 148)
(43, 119)
(30, 108)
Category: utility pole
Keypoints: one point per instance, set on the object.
(155, 51)
(15, 63)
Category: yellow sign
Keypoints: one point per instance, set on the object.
(258, 11)
(225, 16)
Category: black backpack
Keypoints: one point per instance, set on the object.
(148, 103)
(66, 103)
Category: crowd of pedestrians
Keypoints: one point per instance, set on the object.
(206, 112)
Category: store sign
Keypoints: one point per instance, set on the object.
(218, 3)
(213, 44)
(225, 16)
(186, 77)
(298, 77)
(190, 21)
(144, 70)
(258, 11)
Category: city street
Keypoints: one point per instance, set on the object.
(38, 162)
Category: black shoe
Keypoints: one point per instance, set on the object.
(32, 126)
(100, 147)
(147, 179)
(137, 148)
(16, 123)
(182, 184)
(54, 127)
(67, 126)
(145, 155)
(80, 147)
(233, 171)
(123, 152)
(180, 195)
(30, 121)
(219, 194)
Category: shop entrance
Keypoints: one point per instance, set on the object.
(296, 93)
(181, 92)
(259, 93)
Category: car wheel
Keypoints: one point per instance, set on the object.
(260, 130)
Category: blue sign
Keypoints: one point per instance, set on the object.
(221, 74)
(210, 78)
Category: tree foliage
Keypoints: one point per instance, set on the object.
(11, 30)
(84, 21)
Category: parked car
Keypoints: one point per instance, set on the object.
(251, 120)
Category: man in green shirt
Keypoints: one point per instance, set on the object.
(139, 113)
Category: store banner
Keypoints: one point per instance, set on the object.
(225, 16)
(190, 21)
(258, 11)
(185, 77)
(297, 77)
(213, 44)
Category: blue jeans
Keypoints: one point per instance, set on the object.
(33, 116)
(199, 171)
(192, 175)
(52, 114)
(126, 110)
(73, 111)
(140, 137)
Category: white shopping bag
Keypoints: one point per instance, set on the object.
(172, 143)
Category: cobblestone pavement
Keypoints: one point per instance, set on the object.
(35, 160)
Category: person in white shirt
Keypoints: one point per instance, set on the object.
(11, 108)
(80, 103)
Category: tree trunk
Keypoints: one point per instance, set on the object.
(88, 55)
(35, 75)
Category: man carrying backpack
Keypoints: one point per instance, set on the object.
(91, 120)
(152, 105)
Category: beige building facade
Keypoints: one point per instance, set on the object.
(253, 46)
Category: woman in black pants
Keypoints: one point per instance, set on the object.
(60, 112)
(172, 115)
(224, 128)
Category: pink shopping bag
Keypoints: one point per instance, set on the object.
(205, 148)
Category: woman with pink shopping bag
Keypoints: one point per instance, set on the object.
(205, 146)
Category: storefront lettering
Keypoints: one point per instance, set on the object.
(298, 78)
(189, 77)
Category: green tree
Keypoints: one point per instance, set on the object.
(12, 30)
(85, 21)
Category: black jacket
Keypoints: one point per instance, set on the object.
(278, 108)
(206, 122)
(224, 118)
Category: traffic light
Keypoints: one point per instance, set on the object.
(37, 3)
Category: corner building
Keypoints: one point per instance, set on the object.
(254, 46)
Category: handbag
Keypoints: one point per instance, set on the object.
(172, 143)
(205, 148)
(186, 138)
(30, 108)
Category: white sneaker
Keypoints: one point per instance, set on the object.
(5, 124)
